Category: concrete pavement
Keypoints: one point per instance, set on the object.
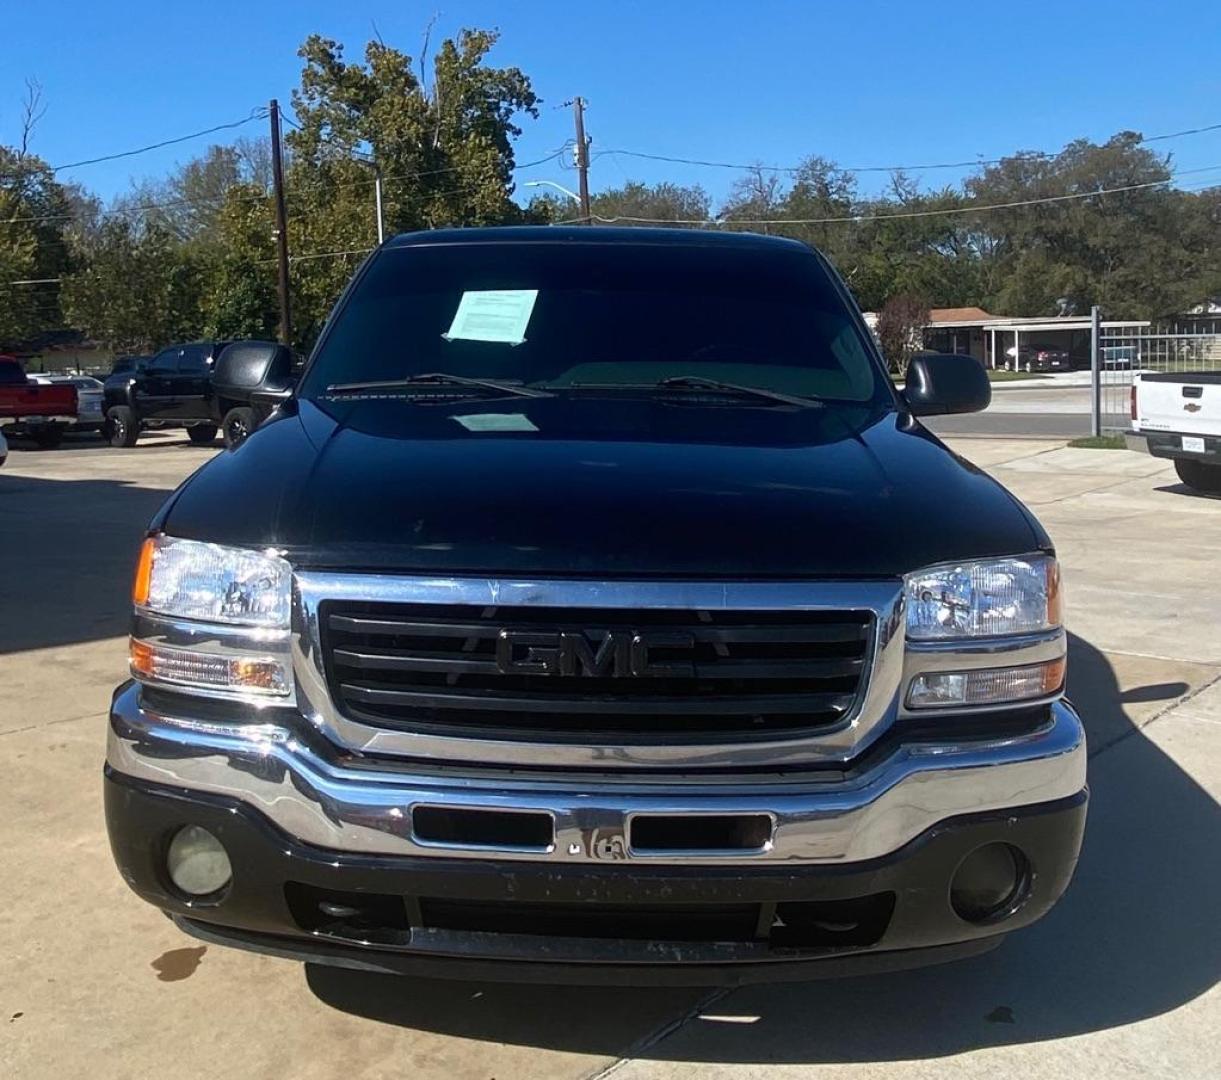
(1120, 979)
(994, 424)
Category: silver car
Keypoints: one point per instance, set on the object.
(89, 414)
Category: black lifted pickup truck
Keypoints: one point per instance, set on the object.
(593, 607)
(172, 389)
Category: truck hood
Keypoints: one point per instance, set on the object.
(601, 486)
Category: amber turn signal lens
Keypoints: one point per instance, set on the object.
(144, 574)
(1055, 601)
(986, 686)
(1053, 675)
(141, 655)
(158, 663)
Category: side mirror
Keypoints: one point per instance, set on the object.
(255, 371)
(946, 383)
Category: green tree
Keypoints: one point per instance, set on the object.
(138, 289)
(240, 299)
(653, 203)
(755, 200)
(1122, 250)
(189, 201)
(1198, 218)
(912, 242)
(35, 212)
(441, 136)
(821, 190)
(18, 319)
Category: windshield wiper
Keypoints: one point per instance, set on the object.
(698, 382)
(436, 378)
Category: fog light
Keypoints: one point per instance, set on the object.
(197, 862)
(990, 882)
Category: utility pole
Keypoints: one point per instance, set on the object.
(582, 159)
(377, 193)
(277, 172)
(1095, 371)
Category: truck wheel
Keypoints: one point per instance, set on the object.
(1199, 475)
(121, 428)
(48, 436)
(201, 434)
(237, 425)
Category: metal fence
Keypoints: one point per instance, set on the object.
(1191, 345)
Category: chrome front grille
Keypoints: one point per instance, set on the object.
(593, 675)
(731, 675)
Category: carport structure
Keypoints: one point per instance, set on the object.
(992, 339)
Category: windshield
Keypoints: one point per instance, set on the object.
(570, 316)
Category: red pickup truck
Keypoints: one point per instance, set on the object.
(31, 409)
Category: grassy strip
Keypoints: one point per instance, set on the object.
(1100, 442)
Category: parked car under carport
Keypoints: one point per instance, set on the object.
(1037, 357)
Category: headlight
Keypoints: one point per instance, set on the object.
(187, 579)
(984, 634)
(983, 599)
(212, 619)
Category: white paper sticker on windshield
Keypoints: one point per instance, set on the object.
(493, 315)
(496, 422)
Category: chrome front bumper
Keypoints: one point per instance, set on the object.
(828, 817)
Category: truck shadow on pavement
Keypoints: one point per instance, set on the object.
(1134, 937)
(80, 441)
(1183, 489)
(69, 548)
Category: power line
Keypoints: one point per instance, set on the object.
(897, 214)
(206, 200)
(332, 254)
(318, 255)
(1179, 134)
(369, 158)
(793, 169)
(202, 200)
(255, 114)
(433, 172)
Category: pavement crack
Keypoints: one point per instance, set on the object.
(660, 1034)
(1081, 494)
(52, 723)
(1138, 728)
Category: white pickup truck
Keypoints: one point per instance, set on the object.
(1178, 415)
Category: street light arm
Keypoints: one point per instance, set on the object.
(558, 187)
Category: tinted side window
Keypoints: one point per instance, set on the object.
(193, 360)
(165, 362)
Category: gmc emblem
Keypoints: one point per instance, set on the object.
(594, 653)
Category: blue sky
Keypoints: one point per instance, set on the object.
(864, 83)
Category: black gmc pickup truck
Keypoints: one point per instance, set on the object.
(594, 608)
